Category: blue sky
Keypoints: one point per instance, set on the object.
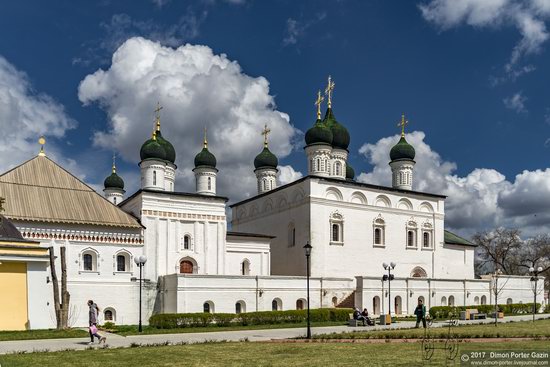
(471, 76)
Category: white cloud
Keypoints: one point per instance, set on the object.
(296, 29)
(197, 88)
(482, 199)
(528, 17)
(287, 174)
(25, 115)
(516, 102)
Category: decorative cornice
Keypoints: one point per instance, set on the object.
(83, 236)
(163, 214)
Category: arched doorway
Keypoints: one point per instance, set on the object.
(483, 300)
(451, 301)
(276, 304)
(398, 305)
(476, 300)
(186, 267)
(443, 301)
(300, 304)
(376, 305)
(240, 307)
(334, 301)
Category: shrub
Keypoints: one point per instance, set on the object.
(108, 325)
(440, 312)
(181, 320)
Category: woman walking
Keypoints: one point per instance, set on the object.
(92, 322)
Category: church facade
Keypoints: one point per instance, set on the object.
(196, 264)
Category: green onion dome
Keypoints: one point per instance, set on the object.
(402, 150)
(266, 159)
(114, 181)
(152, 149)
(350, 172)
(319, 133)
(340, 135)
(168, 147)
(205, 159)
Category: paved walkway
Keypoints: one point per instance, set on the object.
(117, 341)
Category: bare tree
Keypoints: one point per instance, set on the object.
(498, 249)
(61, 306)
(534, 253)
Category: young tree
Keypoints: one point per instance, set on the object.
(498, 249)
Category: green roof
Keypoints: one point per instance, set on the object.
(152, 149)
(168, 147)
(114, 181)
(205, 159)
(340, 135)
(319, 133)
(453, 239)
(402, 150)
(266, 159)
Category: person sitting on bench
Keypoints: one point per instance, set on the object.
(365, 314)
(357, 316)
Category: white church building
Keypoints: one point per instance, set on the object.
(195, 264)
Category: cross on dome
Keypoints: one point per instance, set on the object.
(318, 102)
(265, 132)
(42, 141)
(329, 90)
(402, 123)
(157, 115)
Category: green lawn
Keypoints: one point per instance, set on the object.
(539, 328)
(255, 354)
(133, 329)
(42, 334)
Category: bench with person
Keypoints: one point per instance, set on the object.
(357, 317)
(472, 314)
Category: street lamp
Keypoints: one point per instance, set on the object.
(140, 262)
(307, 249)
(535, 278)
(389, 277)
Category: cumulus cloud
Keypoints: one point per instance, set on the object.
(482, 199)
(287, 174)
(516, 102)
(197, 89)
(528, 17)
(296, 29)
(25, 115)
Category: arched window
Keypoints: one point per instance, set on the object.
(451, 301)
(121, 263)
(109, 315)
(187, 242)
(483, 300)
(379, 226)
(443, 301)
(334, 301)
(245, 267)
(186, 267)
(154, 178)
(276, 305)
(337, 169)
(114, 200)
(209, 183)
(291, 235)
(419, 272)
(300, 304)
(240, 307)
(410, 238)
(476, 300)
(337, 229)
(208, 307)
(318, 167)
(509, 301)
(89, 260)
(426, 239)
(411, 233)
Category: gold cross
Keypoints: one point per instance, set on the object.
(2, 202)
(157, 112)
(318, 102)
(402, 123)
(329, 90)
(114, 163)
(265, 132)
(205, 141)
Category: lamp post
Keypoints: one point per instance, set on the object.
(389, 277)
(535, 278)
(140, 262)
(307, 249)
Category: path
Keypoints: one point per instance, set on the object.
(117, 341)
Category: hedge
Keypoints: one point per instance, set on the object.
(182, 320)
(508, 309)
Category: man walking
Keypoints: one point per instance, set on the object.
(420, 312)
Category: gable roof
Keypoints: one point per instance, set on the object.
(41, 190)
(452, 239)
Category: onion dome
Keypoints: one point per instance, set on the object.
(319, 133)
(402, 150)
(114, 181)
(205, 158)
(152, 149)
(266, 159)
(8, 232)
(340, 135)
(350, 172)
(168, 147)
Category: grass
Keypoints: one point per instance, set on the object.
(42, 334)
(127, 330)
(539, 328)
(256, 354)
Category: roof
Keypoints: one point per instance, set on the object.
(9, 233)
(175, 193)
(43, 191)
(342, 182)
(244, 234)
(453, 239)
